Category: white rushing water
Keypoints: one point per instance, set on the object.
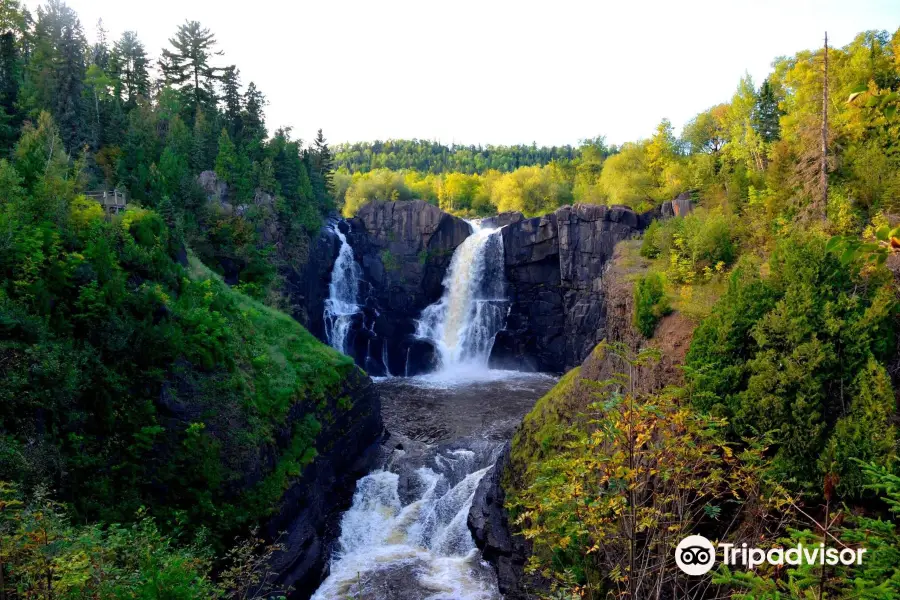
(463, 323)
(412, 536)
(341, 305)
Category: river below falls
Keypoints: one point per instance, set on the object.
(405, 536)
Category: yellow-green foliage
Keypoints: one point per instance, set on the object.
(626, 477)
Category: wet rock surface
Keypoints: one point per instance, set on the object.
(404, 249)
(554, 268)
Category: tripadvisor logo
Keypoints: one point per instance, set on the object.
(696, 555)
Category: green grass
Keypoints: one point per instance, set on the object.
(540, 430)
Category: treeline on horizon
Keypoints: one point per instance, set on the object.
(434, 157)
(773, 127)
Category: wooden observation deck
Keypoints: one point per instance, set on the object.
(112, 201)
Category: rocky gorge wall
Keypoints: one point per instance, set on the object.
(554, 267)
(404, 249)
(305, 519)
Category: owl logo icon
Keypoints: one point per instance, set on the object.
(695, 555)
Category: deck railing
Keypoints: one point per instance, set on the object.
(112, 201)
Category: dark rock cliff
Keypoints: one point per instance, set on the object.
(306, 282)
(554, 269)
(488, 522)
(404, 249)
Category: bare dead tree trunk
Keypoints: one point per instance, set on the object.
(825, 135)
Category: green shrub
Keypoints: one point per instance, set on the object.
(650, 247)
(650, 303)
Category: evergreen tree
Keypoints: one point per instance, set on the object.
(100, 53)
(132, 68)
(70, 105)
(188, 68)
(231, 98)
(205, 143)
(766, 114)
(55, 71)
(324, 158)
(253, 119)
(10, 80)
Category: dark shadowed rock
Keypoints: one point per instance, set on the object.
(404, 249)
(502, 219)
(306, 282)
(554, 268)
(488, 522)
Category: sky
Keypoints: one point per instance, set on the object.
(491, 71)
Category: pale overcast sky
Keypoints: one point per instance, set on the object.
(496, 72)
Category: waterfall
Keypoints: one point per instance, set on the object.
(408, 530)
(463, 323)
(341, 306)
(384, 358)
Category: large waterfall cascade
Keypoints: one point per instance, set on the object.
(341, 306)
(408, 530)
(463, 323)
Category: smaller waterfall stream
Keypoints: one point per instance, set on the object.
(463, 323)
(341, 305)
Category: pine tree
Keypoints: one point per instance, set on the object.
(253, 118)
(324, 158)
(203, 153)
(231, 97)
(226, 160)
(55, 71)
(187, 66)
(10, 80)
(70, 109)
(132, 68)
(100, 53)
(766, 114)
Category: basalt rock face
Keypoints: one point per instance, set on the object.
(554, 268)
(488, 521)
(307, 523)
(306, 282)
(404, 249)
(503, 219)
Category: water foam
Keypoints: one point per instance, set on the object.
(341, 306)
(425, 544)
(462, 325)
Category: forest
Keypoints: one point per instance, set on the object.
(785, 427)
(104, 491)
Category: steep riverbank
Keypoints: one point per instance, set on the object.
(534, 440)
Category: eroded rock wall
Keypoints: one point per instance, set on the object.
(404, 249)
(555, 268)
